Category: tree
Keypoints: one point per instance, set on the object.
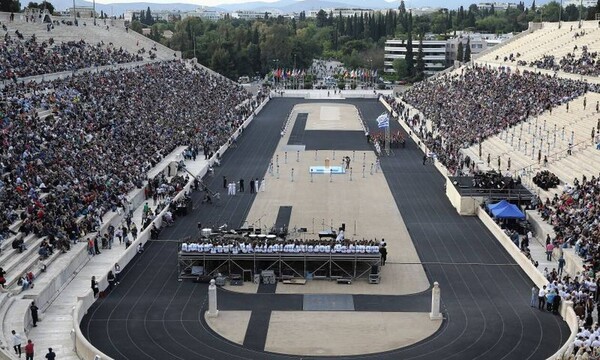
(410, 62)
(321, 18)
(420, 68)
(550, 11)
(571, 13)
(149, 20)
(533, 6)
(459, 52)
(467, 56)
(136, 26)
(10, 5)
(400, 68)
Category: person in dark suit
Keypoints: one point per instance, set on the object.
(252, 187)
(241, 185)
(34, 313)
(383, 252)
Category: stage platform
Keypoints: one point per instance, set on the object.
(285, 265)
(465, 197)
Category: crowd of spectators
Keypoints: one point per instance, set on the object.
(584, 64)
(546, 180)
(574, 217)
(63, 172)
(22, 58)
(582, 290)
(467, 107)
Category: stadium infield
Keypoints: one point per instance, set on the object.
(485, 295)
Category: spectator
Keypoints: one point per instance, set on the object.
(95, 286)
(479, 102)
(16, 341)
(117, 273)
(51, 355)
(29, 350)
(111, 280)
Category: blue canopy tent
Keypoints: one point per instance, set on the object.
(498, 205)
(510, 211)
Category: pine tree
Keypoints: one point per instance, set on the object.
(149, 20)
(410, 61)
(533, 6)
(420, 69)
(459, 52)
(467, 56)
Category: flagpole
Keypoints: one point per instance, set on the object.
(387, 135)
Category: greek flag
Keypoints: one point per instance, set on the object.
(383, 121)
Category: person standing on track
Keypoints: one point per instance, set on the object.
(542, 298)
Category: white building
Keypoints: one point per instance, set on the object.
(434, 54)
(250, 14)
(577, 3)
(440, 54)
(157, 15)
(344, 12)
(205, 14)
(496, 5)
(478, 43)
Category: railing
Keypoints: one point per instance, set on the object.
(529, 171)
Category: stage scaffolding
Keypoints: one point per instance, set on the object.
(285, 265)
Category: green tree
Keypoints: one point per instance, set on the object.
(149, 20)
(571, 13)
(439, 23)
(459, 51)
(136, 26)
(10, 6)
(467, 56)
(321, 18)
(401, 69)
(220, 62)
(410, 61)
(420, 68)
(550, 11)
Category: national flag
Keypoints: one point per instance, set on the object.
(383, 120)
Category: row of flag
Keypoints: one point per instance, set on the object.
(358, 73)
(287, 73)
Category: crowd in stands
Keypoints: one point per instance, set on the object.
(574, 217)
(22, 58)
(546, 180)
(63, 172)
(582, 290)
(585, 64)
(467, 107)
(249, 246)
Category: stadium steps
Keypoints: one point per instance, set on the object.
(5, 245)
(14, 262)
(6, 300)
(8, 251)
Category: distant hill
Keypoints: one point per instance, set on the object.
(281, 5)
(304, 5)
